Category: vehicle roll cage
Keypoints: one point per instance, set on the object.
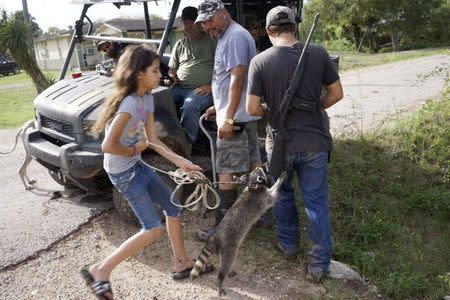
(78, 36)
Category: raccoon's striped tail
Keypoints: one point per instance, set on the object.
(201, 264)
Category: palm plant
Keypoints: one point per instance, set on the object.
(15, 38)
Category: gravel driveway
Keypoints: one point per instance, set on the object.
(383, 92)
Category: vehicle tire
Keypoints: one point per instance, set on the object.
(16, 70)
(62, 180)
(98, 184)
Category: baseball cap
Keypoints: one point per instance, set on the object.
(280, 15)
(98, 43)
(207, 9)
(189, 13)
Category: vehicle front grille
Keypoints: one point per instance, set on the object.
(58, 126)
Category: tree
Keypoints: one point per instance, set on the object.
(439, 29)
(155, 17)
(54, 30)
(35, 29)
(375, 22)
(405, 17)
(14, 39)
(353, 17)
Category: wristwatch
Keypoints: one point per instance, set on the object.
(229, 121)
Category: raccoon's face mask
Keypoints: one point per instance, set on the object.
(259, 178)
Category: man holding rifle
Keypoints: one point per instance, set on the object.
(295, 119)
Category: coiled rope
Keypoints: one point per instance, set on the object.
(203, 184)
(200, 193)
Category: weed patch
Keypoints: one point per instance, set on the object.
(390, 204)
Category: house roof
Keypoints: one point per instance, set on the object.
(45, 37)
(131, 25)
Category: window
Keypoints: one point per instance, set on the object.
(90, 50)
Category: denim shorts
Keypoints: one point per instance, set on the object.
(238, 154)
(143, 188)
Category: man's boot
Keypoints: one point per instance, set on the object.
(227, 199)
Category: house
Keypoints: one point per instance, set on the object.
(51, 50)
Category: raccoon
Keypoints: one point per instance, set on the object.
(256, 199)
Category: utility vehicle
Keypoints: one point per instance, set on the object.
(64, 111)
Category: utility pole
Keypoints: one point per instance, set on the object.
(26, 16)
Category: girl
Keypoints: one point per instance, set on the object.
(129, 129)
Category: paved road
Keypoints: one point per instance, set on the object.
(29, 220)
(374, 94)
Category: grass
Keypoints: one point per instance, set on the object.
(354, 60)
(389, 205)
(17, 93)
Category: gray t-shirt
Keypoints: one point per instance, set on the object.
(235, 47)
(269, 76)
(138, 107)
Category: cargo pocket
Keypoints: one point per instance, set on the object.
(233, 156)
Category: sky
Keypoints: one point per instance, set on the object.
(62, 13)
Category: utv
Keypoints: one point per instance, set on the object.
(64, 111)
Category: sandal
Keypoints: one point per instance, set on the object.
(98, 288)
(181, 274)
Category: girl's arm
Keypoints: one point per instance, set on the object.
(158, 146)
(111, 143)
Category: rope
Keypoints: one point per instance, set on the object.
(203, 185)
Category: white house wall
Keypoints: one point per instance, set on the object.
(51, 53)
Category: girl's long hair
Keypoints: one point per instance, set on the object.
(134, 59)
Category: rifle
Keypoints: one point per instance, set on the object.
(276, 164)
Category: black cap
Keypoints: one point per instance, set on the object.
(189, 13)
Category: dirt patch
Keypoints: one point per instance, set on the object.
(54, 274)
